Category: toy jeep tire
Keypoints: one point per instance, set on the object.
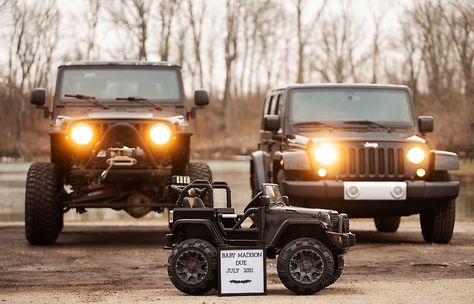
(192, 266)
(43, 215)
(199, 170)
(305, 266)
(437, 223)
(387, 224)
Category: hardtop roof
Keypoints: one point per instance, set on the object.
(119, 63)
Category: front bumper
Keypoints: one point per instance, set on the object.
(342, 240)
(330, 194)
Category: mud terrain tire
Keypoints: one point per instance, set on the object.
(199, 170)
(437, 223)
(387, 224)
(43, 215)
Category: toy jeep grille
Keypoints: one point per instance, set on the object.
(372, 162)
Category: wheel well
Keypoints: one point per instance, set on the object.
(193, 231)
(298, 231)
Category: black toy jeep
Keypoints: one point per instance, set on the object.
(358, 149)
(310, 243)
(119, 132)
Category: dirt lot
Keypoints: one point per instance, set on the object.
(125, 263)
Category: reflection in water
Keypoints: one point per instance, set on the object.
(12, 194)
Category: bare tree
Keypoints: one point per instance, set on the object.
(340, 35)
(303, 33)
(460, 20)
(427, 17)
(33, 39)
(133, 17)
(376, 42)
(233, 9)
(196, 16)
(167, 11)
(92, 20)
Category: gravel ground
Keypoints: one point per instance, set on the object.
(124, 262)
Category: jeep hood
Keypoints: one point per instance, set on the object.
(305, 138)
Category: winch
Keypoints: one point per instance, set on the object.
(124, 156)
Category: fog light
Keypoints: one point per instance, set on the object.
(420, 172)
(322, 172)
(397, 192)
(352, 191)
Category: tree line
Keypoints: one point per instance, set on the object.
(237, 49)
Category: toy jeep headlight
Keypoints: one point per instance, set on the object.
(82, 133)
(416, 155)
(325, 153)
(160, 134)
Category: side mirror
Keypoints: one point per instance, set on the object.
(425, 124)
(38, 97)
(271, 123)
(201, 98)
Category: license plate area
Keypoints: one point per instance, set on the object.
(375, 190)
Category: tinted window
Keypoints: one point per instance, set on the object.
(334, 105)
(110, 83)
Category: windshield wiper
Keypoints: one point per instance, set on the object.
(91, 99)
(369, 123)
(312, 123)
(140, 99)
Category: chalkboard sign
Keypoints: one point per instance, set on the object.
(242, 271)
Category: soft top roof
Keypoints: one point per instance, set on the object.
(119, 63)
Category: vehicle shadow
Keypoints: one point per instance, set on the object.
(374, 237)
(116, 236)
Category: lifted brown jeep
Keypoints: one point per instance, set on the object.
(119, 132)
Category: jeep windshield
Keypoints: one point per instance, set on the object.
(120, 84)
(350, 108)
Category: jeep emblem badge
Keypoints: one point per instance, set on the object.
(371, 145)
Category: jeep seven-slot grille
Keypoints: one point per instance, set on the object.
(378, 162)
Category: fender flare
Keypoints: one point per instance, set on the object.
(210, 228)
(444, 160)
(296, 222)
(296, 160)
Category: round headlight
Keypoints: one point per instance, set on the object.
(160, 134)
(82, 134)
(325, 153)
(416, 155)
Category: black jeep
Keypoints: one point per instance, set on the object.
(119, 132)
(358, 149)
(310, 243)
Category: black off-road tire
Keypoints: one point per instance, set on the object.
(387, 224)
(200, 170)
(43, 215)
(198, 283)
(338, 268)
(307, 284)
(437, 223)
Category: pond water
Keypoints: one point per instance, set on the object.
(236, 173)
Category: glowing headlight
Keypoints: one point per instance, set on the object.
(82, 134)
(416, 155)
(325, 153)
(160, 134)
